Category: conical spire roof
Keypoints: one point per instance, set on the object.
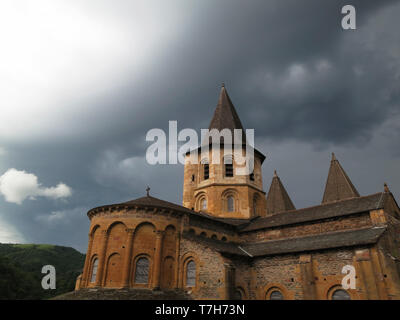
(338, 184)
(225, 115)
(278, 199)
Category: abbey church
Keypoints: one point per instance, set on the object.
(230, 239)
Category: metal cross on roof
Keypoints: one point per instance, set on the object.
(147, 190)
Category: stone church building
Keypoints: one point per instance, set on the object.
(232, 240)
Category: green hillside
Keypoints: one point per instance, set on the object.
(21, 265)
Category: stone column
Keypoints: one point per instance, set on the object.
(128, 259)
(157, 260)
(102, 262)
(85, 273)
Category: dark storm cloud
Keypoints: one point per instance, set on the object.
(292, 72)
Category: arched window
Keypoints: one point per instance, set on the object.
(94, 270)
(340, 294)
(276, 295)
(228, 161)
(231, 204)
(191, 274)
(203, 204)
(206, 171)
(142, 271)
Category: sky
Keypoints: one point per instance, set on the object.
(83, 81)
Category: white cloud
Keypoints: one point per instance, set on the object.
(16, 186)
(58, 55)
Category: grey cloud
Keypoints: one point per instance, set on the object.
(304, 84)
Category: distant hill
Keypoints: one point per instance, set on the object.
(21, 266)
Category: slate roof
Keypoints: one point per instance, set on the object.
(278, 199)
(316, 242)
(323, 211)
(338, 184)
(149, 201)
(225, 115)
(324, 241)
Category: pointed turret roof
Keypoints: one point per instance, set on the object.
(278, 200)
(338, 184)
(225, 115)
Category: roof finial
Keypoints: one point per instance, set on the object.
(148, 190)
(275, 174)
(385, 187)
(333, 156)
(223, 84)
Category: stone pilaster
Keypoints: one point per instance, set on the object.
(363, 259)
(127, 259)
(102, 259)
(157, 260)
(307, 277)
(177, 264)
(85, 274)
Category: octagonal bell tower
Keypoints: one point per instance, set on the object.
(214, 187)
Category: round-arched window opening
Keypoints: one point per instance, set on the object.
(206, 171)
(203, 204)
(231, 204)
(228, 161)
(94, 270)
(191, 274)
(276, 295)
(340, 294)
(142, 271)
